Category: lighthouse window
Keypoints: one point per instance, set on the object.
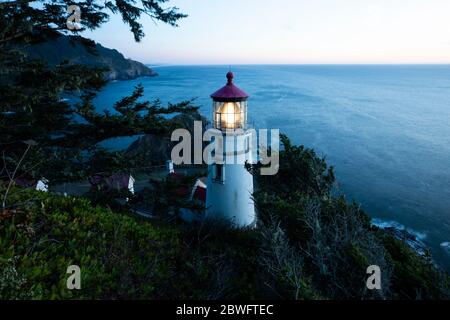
(229, 115)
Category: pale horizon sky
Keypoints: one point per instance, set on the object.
(231, 32)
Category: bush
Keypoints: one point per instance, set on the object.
(309, 244)
(332, 240)
(120, 256)
(414, 276)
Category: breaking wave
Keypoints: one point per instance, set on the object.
(383, 224)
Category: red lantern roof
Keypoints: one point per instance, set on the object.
(229, 92)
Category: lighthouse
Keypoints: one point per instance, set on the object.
(229, 184)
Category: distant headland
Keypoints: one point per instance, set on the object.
(74, 50)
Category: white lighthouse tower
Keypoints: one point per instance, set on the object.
(229, 184)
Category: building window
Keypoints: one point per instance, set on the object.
(219, 173)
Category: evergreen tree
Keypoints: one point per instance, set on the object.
(55, 137)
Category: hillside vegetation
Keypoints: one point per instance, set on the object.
(309, 245)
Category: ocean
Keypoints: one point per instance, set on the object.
(384, 128)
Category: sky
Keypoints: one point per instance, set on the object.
(290, 32)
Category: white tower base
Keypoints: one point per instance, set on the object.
(230, 187)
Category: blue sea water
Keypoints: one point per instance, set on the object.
(385, 129)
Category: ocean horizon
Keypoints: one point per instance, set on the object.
(383, 127)
(233, 66)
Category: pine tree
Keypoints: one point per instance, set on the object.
(60, 137)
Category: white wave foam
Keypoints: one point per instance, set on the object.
(383, 224)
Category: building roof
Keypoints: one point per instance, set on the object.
(199, 190)
(202, 181)
(119, 180)
(229, 92)
(116, 181)
(24, 182)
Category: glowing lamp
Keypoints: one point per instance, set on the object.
(229, 106)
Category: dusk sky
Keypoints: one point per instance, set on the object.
(291, 32)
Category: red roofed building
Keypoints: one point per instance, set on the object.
(199, 190)
(199, 194)
(118, 181)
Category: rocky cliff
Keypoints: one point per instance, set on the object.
(74, 50)
(156, 149)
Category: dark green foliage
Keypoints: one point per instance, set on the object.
(50, 16)
(312, 175)
(68, 150)
(282, 269)
(310, 243)
(331, 241)
(223, 262)
(66, 133)
(111, 198)
(120, 257)
(414, 277)
(124, 257)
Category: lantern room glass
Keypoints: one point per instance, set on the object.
(230, 115)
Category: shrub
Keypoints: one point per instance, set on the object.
(331, 241)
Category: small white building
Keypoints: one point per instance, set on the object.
(42, 185)
(169, 167)
(39, 185)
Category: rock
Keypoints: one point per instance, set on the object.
(154, 149)
(71, 49)
(411, 240)
(157, 149)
